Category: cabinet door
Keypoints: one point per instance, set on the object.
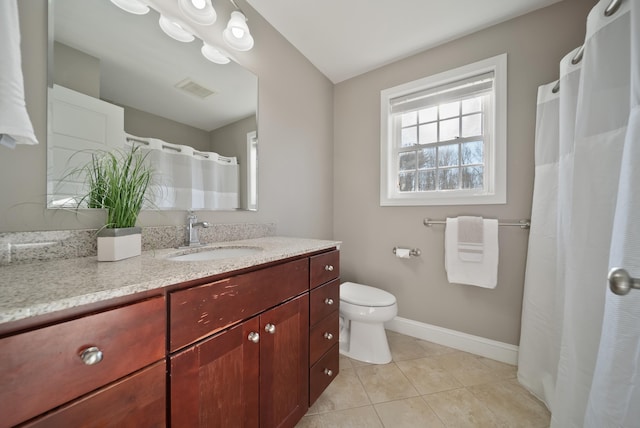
(215, 383)
(284, 363)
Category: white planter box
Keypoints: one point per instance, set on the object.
(119, 244)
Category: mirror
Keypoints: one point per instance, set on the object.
(114, 76)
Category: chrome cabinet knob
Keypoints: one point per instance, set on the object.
(328, 268)
(620, 282)
(328, 335)
(91, 355)
(328, 372)
(254, 337)
(270, 328)
(328, 301)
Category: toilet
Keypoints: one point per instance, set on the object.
(363, 312)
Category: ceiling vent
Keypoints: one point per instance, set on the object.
(194, 88)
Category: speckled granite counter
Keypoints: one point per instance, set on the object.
(39, 288)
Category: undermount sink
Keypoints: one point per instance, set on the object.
(218, 253)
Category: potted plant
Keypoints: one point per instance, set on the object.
(118, 182)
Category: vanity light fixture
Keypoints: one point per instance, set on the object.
(174, 30)
(199, 11)
(214, 54)
(237, 33)
(132, 6)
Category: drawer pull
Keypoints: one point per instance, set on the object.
(91, 355)
(328, 301)
(328, 268)
(328, 336)
(270, 328)
(328, 372)
(254, 337)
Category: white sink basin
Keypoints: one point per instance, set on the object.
(218, 253)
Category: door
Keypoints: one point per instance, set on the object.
(284, 363)
(215, 382)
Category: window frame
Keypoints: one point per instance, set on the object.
(495, 149)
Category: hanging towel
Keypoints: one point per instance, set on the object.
(470, 239)
(483, 273)
(15, 125)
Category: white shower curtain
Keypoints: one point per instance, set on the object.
(185, 178)
(580, 344)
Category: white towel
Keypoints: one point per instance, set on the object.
(482, 273)
(15, 125)
(470, 239)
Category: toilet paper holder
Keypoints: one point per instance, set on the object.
(415, 252)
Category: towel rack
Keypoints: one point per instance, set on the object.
(523, 224)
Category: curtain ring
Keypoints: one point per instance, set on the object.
(613, 7)
(556, 88)
(578, 56)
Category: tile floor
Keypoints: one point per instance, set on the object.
(426, 385)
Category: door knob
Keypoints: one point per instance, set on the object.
(620, 282)
(270, 328)
(254, 337)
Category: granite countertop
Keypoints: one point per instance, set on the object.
(39, 288)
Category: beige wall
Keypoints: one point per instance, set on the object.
(298, 199)
(231, 140)
(76, 70)
(535, 43)
(144, 124)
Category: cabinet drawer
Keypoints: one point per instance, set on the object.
(42, 369)
(324, 267)
(200, 311)
(323, 336)
(323, 372)
(324, 300)
(138, 400)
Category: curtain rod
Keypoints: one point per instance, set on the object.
(523, 224)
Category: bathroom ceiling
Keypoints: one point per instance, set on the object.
(345, 38)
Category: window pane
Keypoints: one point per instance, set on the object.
(407, 181)
(409, 118)
(426, 180)
(427, 158)
(450, 110)
(407, 161)
(472, 125)
(428, 114)
(429, 133)
(472, 152)
(449, 129)
(448, 178)
(472, 177)
(448, 155)
(471, 105)
(409, 136)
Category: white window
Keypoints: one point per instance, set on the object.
(443, 138)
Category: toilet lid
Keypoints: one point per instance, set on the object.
(363, 295)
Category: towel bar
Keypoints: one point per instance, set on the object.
(523, 224)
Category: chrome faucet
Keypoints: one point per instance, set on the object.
(192, 229)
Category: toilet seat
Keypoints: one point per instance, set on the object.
(364, 295)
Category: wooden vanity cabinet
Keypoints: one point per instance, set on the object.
(249, 350)
(324, 322)
(254, 373)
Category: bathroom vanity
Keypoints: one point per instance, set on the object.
(245, 341)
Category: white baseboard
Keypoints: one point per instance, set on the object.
(454, 339)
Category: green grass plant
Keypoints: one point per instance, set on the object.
(118, 182)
